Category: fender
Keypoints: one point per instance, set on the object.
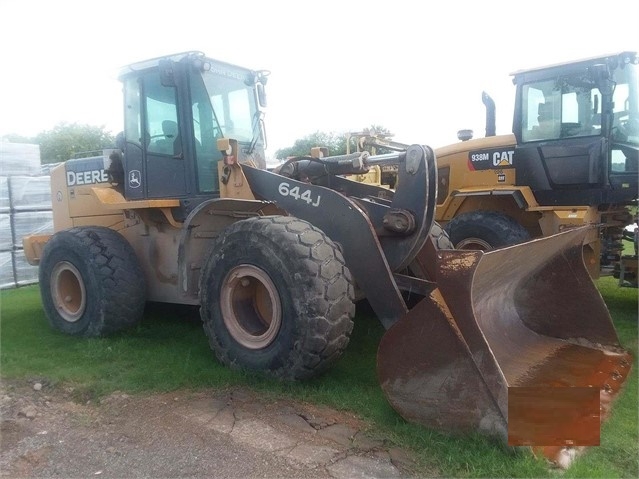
(522, 197)
(202, 226)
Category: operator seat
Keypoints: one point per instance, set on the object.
(548, 126)
(172, 144)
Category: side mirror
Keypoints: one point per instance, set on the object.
(166, 73)
(260, 78)
(601, 75)
(261, 95)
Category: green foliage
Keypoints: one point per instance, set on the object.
(104, 365)
(334, 141)
(68, 139)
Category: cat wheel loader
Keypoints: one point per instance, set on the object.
(515, 342)
(572, 159)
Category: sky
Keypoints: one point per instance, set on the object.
(414, 67)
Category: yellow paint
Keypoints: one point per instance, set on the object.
(33, 246)
(112, 199)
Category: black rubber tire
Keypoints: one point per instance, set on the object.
(491, 229)
(309, 281)
(91, 282)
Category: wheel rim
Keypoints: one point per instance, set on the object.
(251, 306)
(68, 292)
(474, 244)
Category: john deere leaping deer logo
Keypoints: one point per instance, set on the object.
(135, 179)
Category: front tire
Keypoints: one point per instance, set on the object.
(485, 230)
(91, 283)
(277, 297)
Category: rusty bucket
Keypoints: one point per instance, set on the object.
(515, 343)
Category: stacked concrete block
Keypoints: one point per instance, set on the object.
(25, 208)
(19, 159)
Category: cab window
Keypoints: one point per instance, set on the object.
(161, 121)
(560, 108)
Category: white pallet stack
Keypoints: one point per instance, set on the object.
(25, 208)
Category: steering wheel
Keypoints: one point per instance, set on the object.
(626, 129)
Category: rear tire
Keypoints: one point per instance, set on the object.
(91, 283)
(277, 297)
(485, 230)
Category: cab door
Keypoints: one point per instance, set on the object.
(166, 174)
(156, 165)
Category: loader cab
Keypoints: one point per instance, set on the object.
(577, 130)
(175, 110)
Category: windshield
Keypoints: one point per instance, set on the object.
(223, 104)
(231, 95)
(571, 106)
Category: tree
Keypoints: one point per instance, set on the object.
(335, 142)
(68, 139)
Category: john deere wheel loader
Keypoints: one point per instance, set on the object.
(515, 343)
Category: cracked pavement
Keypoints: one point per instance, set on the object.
(212, 433)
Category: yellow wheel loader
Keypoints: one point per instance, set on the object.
(572, 159)
(516, 342)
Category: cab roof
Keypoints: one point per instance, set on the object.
(629, 55)
(175, 57)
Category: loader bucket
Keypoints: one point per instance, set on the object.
(515, 343)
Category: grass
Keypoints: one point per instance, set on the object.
(169, 350)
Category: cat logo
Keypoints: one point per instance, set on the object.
(503, 158)
(490, 159)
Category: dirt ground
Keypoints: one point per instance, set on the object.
(46, 432)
